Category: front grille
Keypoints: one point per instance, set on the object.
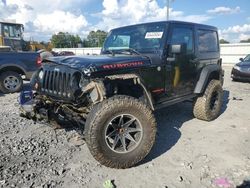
(60, 83)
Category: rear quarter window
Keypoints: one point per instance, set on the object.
(207, 41)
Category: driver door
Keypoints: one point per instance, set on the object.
(183, 64)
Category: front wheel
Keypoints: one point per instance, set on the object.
(120, 131)
(208, 106)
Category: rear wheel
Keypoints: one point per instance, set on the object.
(235, 79)
(208, 106)
(120, 131)
(10, 82)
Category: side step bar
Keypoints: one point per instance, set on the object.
(174, 101)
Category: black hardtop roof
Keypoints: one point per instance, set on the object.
(202, 26)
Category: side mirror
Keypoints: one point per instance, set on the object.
(241, 59)
(178, 48)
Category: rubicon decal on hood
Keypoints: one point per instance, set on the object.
(123, 65)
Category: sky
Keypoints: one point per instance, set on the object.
(44, 18)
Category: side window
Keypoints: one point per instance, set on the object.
(17, 31)
(208, 41)
(6, 31)
(183, 35)
(12, 31)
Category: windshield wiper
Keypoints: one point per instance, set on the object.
(131, 50)
(109, 52)
(124, 51)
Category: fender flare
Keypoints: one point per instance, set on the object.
(204, 76)
(12, 65)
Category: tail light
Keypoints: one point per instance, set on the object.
(39, 61)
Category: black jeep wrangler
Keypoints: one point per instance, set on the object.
(111, 97)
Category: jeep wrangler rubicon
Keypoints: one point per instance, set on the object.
(111, 97)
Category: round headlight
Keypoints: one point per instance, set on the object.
(40, 75)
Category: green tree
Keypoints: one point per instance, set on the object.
(245, 41)
(86, 43)
(95, 38)
(223, 41)
(75, 40)
(65, 40)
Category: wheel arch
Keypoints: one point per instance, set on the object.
(13, 68)
(208, 73)
(124, 80)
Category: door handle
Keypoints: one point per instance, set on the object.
(171, 59)
(194, 60)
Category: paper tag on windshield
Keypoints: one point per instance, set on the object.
(153, 35)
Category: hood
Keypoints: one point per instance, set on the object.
(101, 62)
(243, 64)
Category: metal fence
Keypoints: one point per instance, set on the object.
(230, 53)
(80, 51)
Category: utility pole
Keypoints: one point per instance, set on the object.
(167, 10)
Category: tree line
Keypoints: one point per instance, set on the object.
(223, 41)
(67, 40)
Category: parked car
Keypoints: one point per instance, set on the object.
(111, 97)
(14, 65)
(241, 71)
(63, 53)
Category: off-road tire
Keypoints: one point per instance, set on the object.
(202, 105)
(99, 118)
(7, 74)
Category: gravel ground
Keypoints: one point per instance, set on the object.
(188, 152)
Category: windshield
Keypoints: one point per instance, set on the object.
(13, 31)
(142, 38)
(247, 58)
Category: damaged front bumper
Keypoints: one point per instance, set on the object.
(61, 95)
(41, 108)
